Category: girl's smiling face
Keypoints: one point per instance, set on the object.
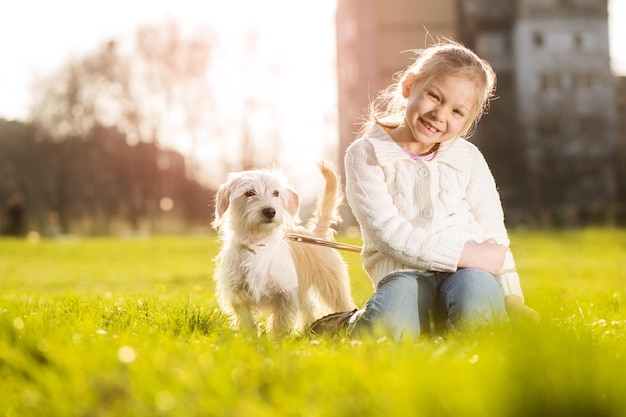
(436, 112)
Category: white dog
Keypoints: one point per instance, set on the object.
(258, 272)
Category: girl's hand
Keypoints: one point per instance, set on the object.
(488, 255)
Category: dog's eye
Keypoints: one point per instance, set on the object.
(275, 193)
(250, 193)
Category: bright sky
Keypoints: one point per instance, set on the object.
(38, 36)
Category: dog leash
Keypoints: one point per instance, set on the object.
(296, 237)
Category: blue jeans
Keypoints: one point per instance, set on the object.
(407, 304)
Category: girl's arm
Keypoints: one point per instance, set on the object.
(484, 201)
(487, 209)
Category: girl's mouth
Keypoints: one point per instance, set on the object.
(428, 126)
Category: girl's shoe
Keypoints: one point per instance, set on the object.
(332, 324)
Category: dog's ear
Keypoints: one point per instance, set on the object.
(222, 199)
(293, 202)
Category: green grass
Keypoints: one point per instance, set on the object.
(111, 327)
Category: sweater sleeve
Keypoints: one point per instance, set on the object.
(391, 234)
(484, 200)
(510, 283)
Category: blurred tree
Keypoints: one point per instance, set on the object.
(156, 91)
(90, 183)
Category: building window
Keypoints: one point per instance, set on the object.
(492, 45)
(584, 81)
(578, 41)
(550, 81)
(589, 126)
(548, 126)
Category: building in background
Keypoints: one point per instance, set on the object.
(621, 129)
(551, 136)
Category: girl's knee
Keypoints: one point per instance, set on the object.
(392, 309)
(473, 297)
(473, 283)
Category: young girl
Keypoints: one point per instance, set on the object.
(434, 240)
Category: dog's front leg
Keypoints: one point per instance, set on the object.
(307, 310)
(284, 311)
(245, 320)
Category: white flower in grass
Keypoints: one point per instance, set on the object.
(164, 401)
(18, 323)
(126, 354)
(43, 346)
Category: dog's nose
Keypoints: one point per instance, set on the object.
(269, 212)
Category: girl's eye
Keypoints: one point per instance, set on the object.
(275, 193)
(458, 113)
(250, 193)
(433, 95)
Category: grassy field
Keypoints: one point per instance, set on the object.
(113, 327)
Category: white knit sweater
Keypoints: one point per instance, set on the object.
(418, 215)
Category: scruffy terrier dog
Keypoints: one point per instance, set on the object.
(261, 276)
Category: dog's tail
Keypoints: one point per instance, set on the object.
(326, 213)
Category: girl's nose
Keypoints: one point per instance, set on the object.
(437, 114)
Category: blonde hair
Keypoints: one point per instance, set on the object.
(446, 57)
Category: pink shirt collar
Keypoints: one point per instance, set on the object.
(428, 157)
